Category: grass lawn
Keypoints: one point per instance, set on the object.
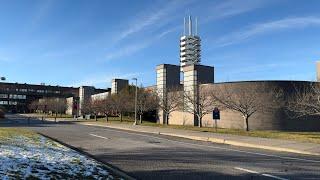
(27, 155)
(312, 137)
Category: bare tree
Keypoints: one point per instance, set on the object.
(170, 99)
(34, 106)
(123, 101)
(56, 106)
(201, 102)
(304, 101)
(96, 107)
(107, 107)
(147, 101)
(86, 107)
(247, 100)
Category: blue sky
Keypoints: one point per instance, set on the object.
(74, 42)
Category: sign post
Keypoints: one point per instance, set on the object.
(216, 117)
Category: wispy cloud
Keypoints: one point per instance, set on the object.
(127, 50)
(233, 7)
(132, 48)
(267, 27)
(41, 12)
(156, 17)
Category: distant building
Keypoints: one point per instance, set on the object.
(101, 96)
(118, 84)
(15, 97)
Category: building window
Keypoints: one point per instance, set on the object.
(40, 91)
(12, 102)
(16, 96)
(57, 92)
(3, 102)
(31, 90)
(3, 95)
(23, 90)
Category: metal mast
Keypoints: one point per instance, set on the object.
(190, 47)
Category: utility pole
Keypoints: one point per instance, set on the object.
(135, 103)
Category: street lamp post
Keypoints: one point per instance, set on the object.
(135, 103)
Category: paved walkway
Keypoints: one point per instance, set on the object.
(244, 141)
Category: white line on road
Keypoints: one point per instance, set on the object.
(215, 147)
(98, 136)
(263, 174)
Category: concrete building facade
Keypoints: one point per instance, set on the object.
(118, 84)
(193, 77)
(168, 77)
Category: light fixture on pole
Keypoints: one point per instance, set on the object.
(2, 78)
(135, 103)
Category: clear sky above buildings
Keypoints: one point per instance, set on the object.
(74, 42)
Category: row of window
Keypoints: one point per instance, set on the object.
(8, 102)
(13, 96)
(33, 90)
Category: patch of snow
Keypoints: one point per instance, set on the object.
(24, 157)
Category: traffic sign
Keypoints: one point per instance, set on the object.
(216, 114)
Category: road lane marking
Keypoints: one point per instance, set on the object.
(214, 147)
(262, 174)
(99, 136)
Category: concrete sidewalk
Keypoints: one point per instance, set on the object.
(244, 141)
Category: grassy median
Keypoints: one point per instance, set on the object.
(10, 133)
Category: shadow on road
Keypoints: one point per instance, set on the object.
(16, 120)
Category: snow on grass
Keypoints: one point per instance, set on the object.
(36, 157)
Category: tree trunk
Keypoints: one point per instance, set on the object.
(246, 119)
(55, 117)
(95, 117)
(140, 118)
(120, 117)
(200, 122)
(107, 117)
(167, 119)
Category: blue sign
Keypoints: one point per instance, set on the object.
(216, 114)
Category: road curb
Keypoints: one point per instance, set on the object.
(215, 140)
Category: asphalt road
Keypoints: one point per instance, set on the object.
(149, 156)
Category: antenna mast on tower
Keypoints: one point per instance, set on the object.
(190, 47)
(190, 26)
